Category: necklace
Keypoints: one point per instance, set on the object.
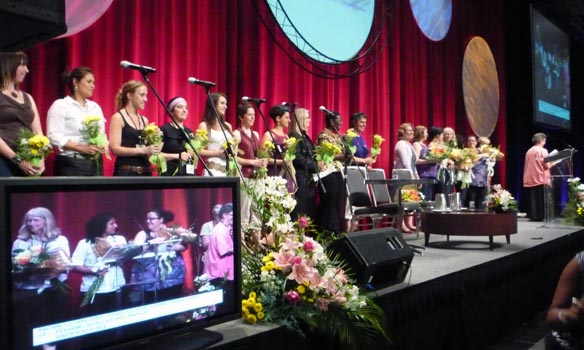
(12, 92)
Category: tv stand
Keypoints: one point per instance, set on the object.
(186, 340)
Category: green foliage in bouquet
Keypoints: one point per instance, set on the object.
(574, 211)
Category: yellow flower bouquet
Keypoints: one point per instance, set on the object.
(152, 135)
(93, 134)
(325, 152)
(264, 152)
(197, 141)
(349, 136)
(32, 148)
(376, 147)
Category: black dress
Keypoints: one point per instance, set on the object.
(305, 170)
(174, 142)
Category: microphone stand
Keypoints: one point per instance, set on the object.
(181, 130)
(228, 152)
(277, 148)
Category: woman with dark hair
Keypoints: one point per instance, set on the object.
(159, 271)
(126, 127)
(179, 161)
(218, 131)
(332, 202)
(358, 122)
(65, 120)
(100, 235)
(17, 111)
(281, 117)
(304, 165)
(249, 144)
(37, 299)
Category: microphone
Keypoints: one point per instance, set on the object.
(323, 108)
(290, 104)
(143, 69)
(196, 81)
(251, 99)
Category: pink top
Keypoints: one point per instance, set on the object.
(220, 253)
(535, 171)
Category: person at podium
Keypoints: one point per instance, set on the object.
(536, 175)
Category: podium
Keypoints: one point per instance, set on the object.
(554, 194)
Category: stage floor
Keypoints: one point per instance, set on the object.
(441, 258)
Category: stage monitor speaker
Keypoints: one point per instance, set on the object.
(377, 258)
(27, 22)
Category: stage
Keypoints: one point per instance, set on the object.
(459, 295)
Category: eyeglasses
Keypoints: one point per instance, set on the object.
(150, 219)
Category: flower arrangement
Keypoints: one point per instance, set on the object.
(573, 212)
(152, 135)
(494, 154)
(325, 152)
(37, 261)
(437, 152)
(290, 153)
(264, 152)
(376, 147)
(289, 278)
(465, 162)
(32, 148)
(411, 194)
(349, 136)
(31, 259)
(203, 284)
(500, 200)
(93, 134)
(197, 141)
(231, 148)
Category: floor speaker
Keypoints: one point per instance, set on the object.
(27, 22)
(377, 258)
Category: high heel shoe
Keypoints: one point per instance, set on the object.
(404, 229)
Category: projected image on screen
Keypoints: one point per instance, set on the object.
(551, 73)
(329, 31)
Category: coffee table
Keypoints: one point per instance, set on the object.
(468, 223)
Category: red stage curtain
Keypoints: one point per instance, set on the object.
(415, 80)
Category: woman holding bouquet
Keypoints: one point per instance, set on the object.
(219, 132)
(249, 144)
(278, 136)
(69, 118)
(358, 122)
(405, 158)
(304, 165)
(179, 160)
(39, 293)
(332, 202)
(126, 127)
(160, 270)
(479, 187)
(17, 111)
(100, 234)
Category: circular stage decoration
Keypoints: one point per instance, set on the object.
(328, 31)
(433, 17)
(480, 87)
(81, 14)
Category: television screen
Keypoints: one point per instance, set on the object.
(551, 73)
(100, 263)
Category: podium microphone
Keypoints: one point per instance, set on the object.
(323, 108)
(252, 99)
(142, 69)
(196, 81)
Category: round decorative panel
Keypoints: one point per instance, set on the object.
(433, 17)
(480, 87)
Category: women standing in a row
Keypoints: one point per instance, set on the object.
(218, 131)
(179, 161)
(304, 165)
(17, 111)
(126, 127)
(65, 120)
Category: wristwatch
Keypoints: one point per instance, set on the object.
(16, 159)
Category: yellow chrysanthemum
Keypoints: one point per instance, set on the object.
(258, 307)
(251, 319)
(301, 289)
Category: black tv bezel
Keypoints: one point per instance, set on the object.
(8, 186)
(547, 125)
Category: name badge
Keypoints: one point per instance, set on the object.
(190, 169)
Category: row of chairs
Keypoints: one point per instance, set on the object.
(371, 204)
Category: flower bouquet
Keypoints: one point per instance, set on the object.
(264, 152)
(376, 147)
(500, 200)
(93, 134)
(325, 152)
(467, 159)
(573, 213)
(231, 148)
(494, 154)
(437, 152)
(410, 194)
(37, 263)
(289, 279)
(152, 135)
(32, 148)
(290, 155)
(197, 141)
(349, 136)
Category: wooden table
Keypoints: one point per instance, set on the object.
(469, 223)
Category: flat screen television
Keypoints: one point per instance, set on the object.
(41, 285)
(551, 73)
